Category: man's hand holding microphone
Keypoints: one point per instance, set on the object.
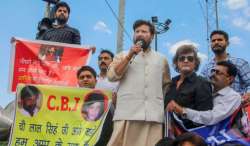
(135, 49)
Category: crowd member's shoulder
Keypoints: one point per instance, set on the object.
(158, 53)
(238, 62)
(161, 56)
(203, 80)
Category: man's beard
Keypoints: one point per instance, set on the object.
(218, 50)
(61, 19)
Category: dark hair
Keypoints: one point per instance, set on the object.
(86, 68)
(140, 22)
(94, 96)
(62, 4)
(220, 32)
(29, 91)
(184, 49)
(231, 69)
(108, 52)
(193, 138)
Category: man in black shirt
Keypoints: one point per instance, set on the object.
(60, 31)
(188, 89)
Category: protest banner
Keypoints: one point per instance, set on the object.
(225, 131)
(49, 63)
(55, 116)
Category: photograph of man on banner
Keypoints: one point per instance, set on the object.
(29, 101)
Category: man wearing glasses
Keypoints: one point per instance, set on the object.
(219, 43)
(225, 102)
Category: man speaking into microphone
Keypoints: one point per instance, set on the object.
(144, 78)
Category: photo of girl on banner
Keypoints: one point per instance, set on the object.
(94, 106)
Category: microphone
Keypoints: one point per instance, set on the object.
(141, 43)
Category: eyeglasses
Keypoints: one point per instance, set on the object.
(218, 72)
(183, 58)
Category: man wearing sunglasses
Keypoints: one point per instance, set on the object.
(188, 89)
(225, 102)
(219, 43)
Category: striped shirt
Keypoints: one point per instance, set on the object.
(241, 82)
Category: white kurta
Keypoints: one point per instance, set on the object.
(140, 93)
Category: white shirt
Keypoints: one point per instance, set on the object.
(104, 83)
(140, 93)
(26, 113)
(225, 104)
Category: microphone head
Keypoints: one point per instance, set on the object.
(140, 42)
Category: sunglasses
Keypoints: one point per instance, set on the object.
(218, 72)
(183, 58)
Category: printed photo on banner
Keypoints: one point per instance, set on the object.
(56, 115)
(50, 53)
(95, 103)
(29, 100)
(47, 63)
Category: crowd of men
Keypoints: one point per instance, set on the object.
(143, 90)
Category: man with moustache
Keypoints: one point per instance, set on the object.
(60, 31)
(29, 96)
(219, 42)
(225, 102)
(144, 77)
(104, 60)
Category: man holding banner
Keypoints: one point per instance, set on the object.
(86, 76)
(226, 104)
